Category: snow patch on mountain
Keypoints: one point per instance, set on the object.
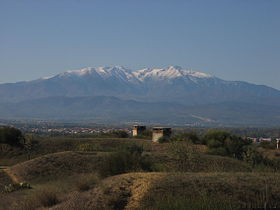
(119, 72)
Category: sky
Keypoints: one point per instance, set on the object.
(231, 39)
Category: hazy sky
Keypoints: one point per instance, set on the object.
(232, 39)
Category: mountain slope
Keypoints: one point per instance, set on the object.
(172, 84)
(102, 109)
(161, 96)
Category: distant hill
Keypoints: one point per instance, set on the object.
(113, 94)
(109, 109)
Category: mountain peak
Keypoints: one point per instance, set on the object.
(120, 72)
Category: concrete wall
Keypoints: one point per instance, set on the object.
(157, 136)
(138, 130)
(134, 132)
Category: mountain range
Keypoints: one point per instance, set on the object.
(171, 95)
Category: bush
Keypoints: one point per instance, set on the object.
(225, 144)
(164, 139)
(120, 134)
(188, 136)
(11, 136)
(128, 159)
(253, 157)
(185, 156)
(47, 197)
(268, 145)
(87, 181)
(88, 147)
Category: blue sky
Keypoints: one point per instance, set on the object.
(232, 39)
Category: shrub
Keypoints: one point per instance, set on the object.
(184, 153)
(253, 157)
(128, 159)
(223, 143)
(120, 134)
(164, 139)
(188, 136)
(133, 148)
(11, 136)
(88, 147)
(87, 181)
(47, 197)
(268, 145)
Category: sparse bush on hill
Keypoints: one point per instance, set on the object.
(253, 157)
(268, 145)
(185, 156)
(164, 139)
(191, 137)
(87, 181)
(120, 134)
(88, 147)
(47, 197)
(225, 144)
(129, 159)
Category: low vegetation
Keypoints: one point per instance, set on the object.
(211, 170)
(128, 159)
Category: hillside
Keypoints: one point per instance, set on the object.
(68, 173)
(155, 190)
(106, 109)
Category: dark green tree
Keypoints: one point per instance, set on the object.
(11, 136)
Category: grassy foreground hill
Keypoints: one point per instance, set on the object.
(112, 173)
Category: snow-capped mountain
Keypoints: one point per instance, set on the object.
(118, 94)
(172, 84)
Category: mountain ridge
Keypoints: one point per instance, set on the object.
(160, 95)
(171, 84)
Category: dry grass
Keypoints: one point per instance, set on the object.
(43, 197)
(87, 181)
(143, 190)
(74, 173)
(57, 165)
(12, 156)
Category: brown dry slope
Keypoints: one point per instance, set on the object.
(4, 179)
(141, 190)
(53, 166)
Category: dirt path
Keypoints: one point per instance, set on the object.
(14, 178)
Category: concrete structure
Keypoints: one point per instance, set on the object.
(137, 130)
(159, 132)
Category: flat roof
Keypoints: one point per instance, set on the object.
(161, 128)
